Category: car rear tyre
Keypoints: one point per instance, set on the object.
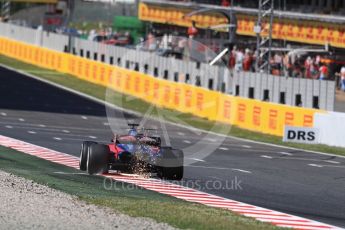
(171, 173)
(83, 154)
(98, 159)
(171, 164)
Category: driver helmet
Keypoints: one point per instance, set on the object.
(133, 132)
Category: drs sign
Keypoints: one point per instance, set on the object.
(301, 135)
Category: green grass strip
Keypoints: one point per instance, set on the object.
(124, 197)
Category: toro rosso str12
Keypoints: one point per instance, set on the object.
(127, 153)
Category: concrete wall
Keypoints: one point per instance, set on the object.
(312, 93)
(331, 127)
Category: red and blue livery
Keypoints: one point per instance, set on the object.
(130, 152)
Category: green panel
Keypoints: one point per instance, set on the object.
(130, 23)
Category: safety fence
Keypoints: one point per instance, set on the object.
(250, 114)
(290, 91)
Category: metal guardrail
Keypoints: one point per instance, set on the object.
(291, 91)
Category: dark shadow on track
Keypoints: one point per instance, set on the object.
(18, 92)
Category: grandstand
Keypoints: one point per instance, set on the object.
(305, 22)
(316, 26)
(334, 7)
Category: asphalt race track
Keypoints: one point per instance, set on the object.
(296, 182)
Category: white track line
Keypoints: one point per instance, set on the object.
(315, 165)
(195, 159)
(219, 168)
(286, 153)
(333, 162)
(208, 167)
(223, 148)
(267, 157)
(241, 170)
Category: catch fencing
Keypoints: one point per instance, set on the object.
(246, 113)
(290, 91)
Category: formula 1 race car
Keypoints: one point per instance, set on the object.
(132, 152)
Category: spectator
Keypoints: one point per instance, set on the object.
(225, 3)
(92, 34)
(342, 78)
(239, 61)
(323, 72)
(308, 67)
(287, 65)
(253, 66)
(278, 59)
(181, 44)
(232, 58)
(314, 69)
(318, 60)
(151, 42)
(192, 31)
(247, 61)
(297, 71)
